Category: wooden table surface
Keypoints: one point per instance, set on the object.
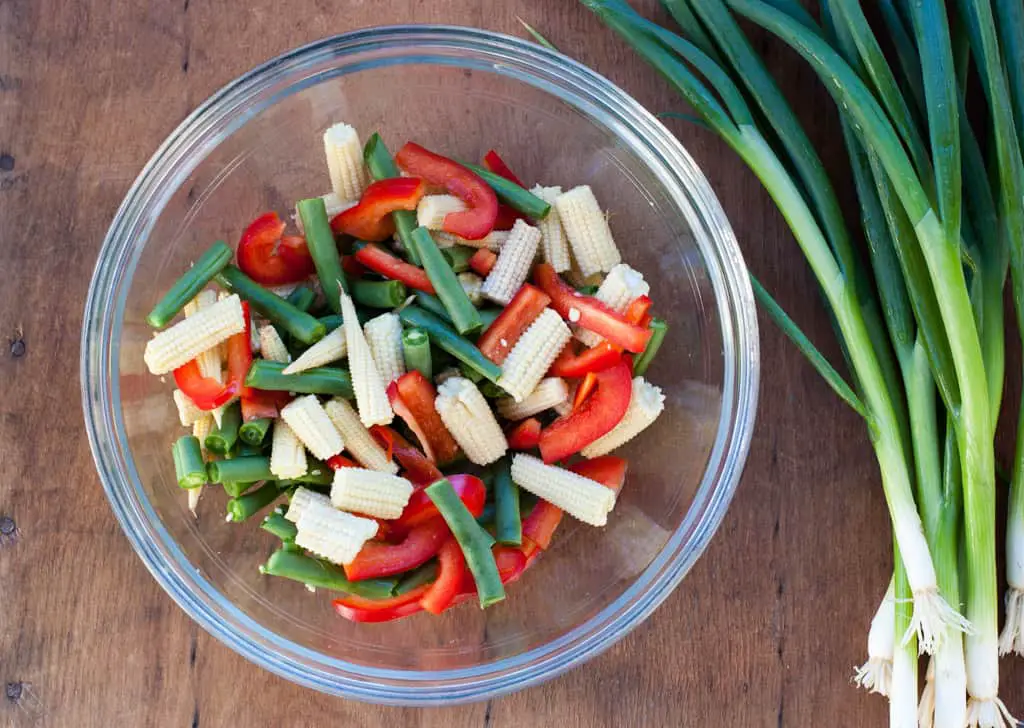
(764, 632)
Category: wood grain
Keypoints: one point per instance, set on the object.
(764, 632)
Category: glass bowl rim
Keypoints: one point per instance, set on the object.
(572, 83)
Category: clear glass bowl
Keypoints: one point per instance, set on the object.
(256, 146)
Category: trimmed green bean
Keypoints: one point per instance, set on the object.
(487, 316)
(508, 527)
(189, 467)
(379, 294)
(417, 577)
(487, 515)
(446, 338)
(277, 524)
(324, 575)
(264, 374)
(222, 439)
(317, 473)
(512, 194)
(463, 313)
(658, 330)
(491, 390)
(382, 166)
(323, 250)
(246, 469)
(432, 304)
(302, 298)
(416, 349)
(458, 257)
(244, 449)
(475, 542)
(242, 507)
(253, 431)
(298, 323)
(471, 374)
(192, 282)
(237, 488)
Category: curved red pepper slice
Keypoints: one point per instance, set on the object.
(595, 359)
(470, 489)
(371, 218)
(360, 609)
(540, 525)
(450, 578)
(608, 470)
(482, 261)
(511, 562)
(380, 559)
(268, 258)
(380, 261)
(525, 435)
(337, 462)
(416, 466)
(260, 403)
(471, 224)
(412, 397)
(503, 333)
(494, 163)
(209, 394)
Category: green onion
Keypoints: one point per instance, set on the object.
(189, 468)
(282, 314)
(192, 282)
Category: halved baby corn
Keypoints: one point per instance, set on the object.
(384, 335)
(332, 534)
(332, 347)
(370, 388)
(287, 453)
(550, 392)
(554, 245)
(587, 229)
(533, 354)
(513, 265)
(185, 340)
(469, 418)
(358, 440)
(645, 405)
(582, 498)
(310, 423)
(371, 492)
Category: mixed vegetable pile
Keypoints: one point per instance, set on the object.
(510, 395)
(921, 324)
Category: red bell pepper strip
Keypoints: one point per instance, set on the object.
(637, 310)
(337, 462)
(590, 314)
(361, 609)
(380, 261)
(507, 216)
(419, 469)
(494, 163)
(588, 385)
(503, 333)
(482, 261)
(608, 470)
(525, 435)
(371, 218)
(471, 224)
(596, 417)
(570, 365)
(260, 403)
(540, 525)
(206, 392)
(470, 489)
(352, 267)
(380, 559)
(417, 395)
(511, 562)
(268, 258)
(450, 578)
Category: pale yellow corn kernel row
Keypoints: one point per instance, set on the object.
(587, 229)
(621, 287)
(370, 388)
(358, 441)
(272, 347)
(549, 393)
(370, 492)
(582, 498)
(433, 209)
(384, 335)
(330, 348)
(469, 418)
(202, 427)
(210, 362)
(332, 203)
(194, 494)
(188, 412)
(472, 284)
(310, 423)
(185, 340)
(332, 534)
(287, 453)
(513, 265)
(344, 155)
(533, 354)
(646, 403)
(493, 240)
(553, 243)
(301, 501)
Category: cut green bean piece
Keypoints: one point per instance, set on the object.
(433, 304)
(508, 527)
(487, 316)
(244, 449)
(587, 290)
(253, 431)
(323, 250)
(382, 166)
(282, 314)
(302, 298)
(185, 288)
(188, 462)
(236, 488)
(475, 542)
(317, 473)
(222, 439)
(246, 469)
(416, 349)
(280, 526)
(417, 577)
(264, 374)
(460, 309)
(512, 194)
(491, 390)
(446, 338)
(658, 330)
(331, 322)
(324, 575)
(458, 257)
(245, 506)
(379, 294)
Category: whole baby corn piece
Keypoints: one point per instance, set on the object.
(513, 265)
(210, 361)
(621, 287)
(433, 209)
(310, 423)
(533, 354)
(272, 348)
(302, 500)
(549, 393)
(345, 162)
(287, 453)
(332, 347)
(646, 404)
(582, 498)
(185, 340)
(371, 492)
(358, 440)
(367, 383)
(188, 413)
(493, 240)
(587, 229)
(553, 243)
(332, 534)
(384, 335)
(469, 418)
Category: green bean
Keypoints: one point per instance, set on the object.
(487, 515)
(246, 469)
(417, 577)
(509, 529)
(236, 488)
(253, 431)
(185, 288)
(512, 194)
(658, 330)
(323, 250)
(264, 374)
(379, 294)
(461, 310)
(298, 323)
(334, 320)
(317, 473)
(189, 467)
(381, 165)
(244, 449)
(487, 316)
(302, 298)
(416, 349)
(475, 542)
(458, 257)
(277, 524)
(491, 390)
(432, 304)
(445, 337)
(587, 290)
(242, 507)
(323, 575)
(221, 439)
(471, 374)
